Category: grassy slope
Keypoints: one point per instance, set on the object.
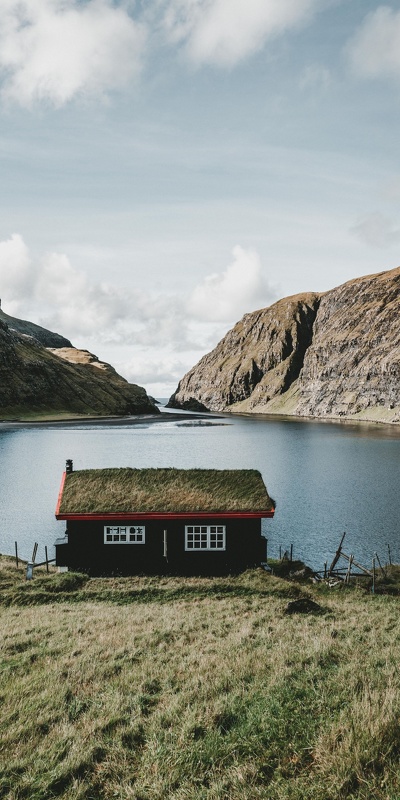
(196, 689)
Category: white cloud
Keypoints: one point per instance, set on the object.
(16, 272)
(52, 292)
(53, 50)
(154, 369)
(161, 334)
(374, 51)
(224, 32)
(377, 230)
(228, 295)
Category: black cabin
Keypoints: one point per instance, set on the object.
(162, 521)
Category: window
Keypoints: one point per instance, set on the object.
(130, 534)
(205, 537)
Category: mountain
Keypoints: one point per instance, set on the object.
(335, 354)
(42, 374)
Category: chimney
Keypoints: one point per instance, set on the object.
(69, 466)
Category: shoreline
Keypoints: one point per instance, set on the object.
(178, 415)
(126, 421)
(338, 420)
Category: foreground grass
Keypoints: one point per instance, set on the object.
(196, 689)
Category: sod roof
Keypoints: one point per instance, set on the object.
(98, 491)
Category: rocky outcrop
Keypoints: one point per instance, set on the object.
(257, 360)
(35, 380)
(330, 355)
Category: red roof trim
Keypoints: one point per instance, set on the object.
(160, 516)
(64, 475)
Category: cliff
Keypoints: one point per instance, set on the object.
(330, 355)
(36, 380)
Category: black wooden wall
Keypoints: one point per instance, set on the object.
(86, 551)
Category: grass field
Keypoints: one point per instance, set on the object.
(196, 689)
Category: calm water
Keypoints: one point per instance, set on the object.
(326, 478)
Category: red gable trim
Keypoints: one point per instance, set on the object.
(134, 515)
(60, 495)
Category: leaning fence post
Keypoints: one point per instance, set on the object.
(373, 576)
(16, 555)
(379, 562)
(47, 560)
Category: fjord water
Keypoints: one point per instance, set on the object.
(326, 478)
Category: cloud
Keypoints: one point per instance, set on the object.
(226, 296)
(154, 369)
(377, 230)
(224, 32)
(53, 293)
(161, 335)
(374, 51)
(55, 50)
(16, 271)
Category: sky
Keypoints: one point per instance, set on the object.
(169, 165)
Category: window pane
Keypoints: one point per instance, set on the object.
(124, 535)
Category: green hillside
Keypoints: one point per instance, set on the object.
(196, 689)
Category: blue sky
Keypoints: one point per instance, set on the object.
(167, 166)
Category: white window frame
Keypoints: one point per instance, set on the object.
(205, 538)
(124, 534)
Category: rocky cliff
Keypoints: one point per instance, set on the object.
(36, 380)
(330, 355)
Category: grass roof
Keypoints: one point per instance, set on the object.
(125, 490)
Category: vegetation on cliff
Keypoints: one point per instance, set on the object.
(196, 689)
